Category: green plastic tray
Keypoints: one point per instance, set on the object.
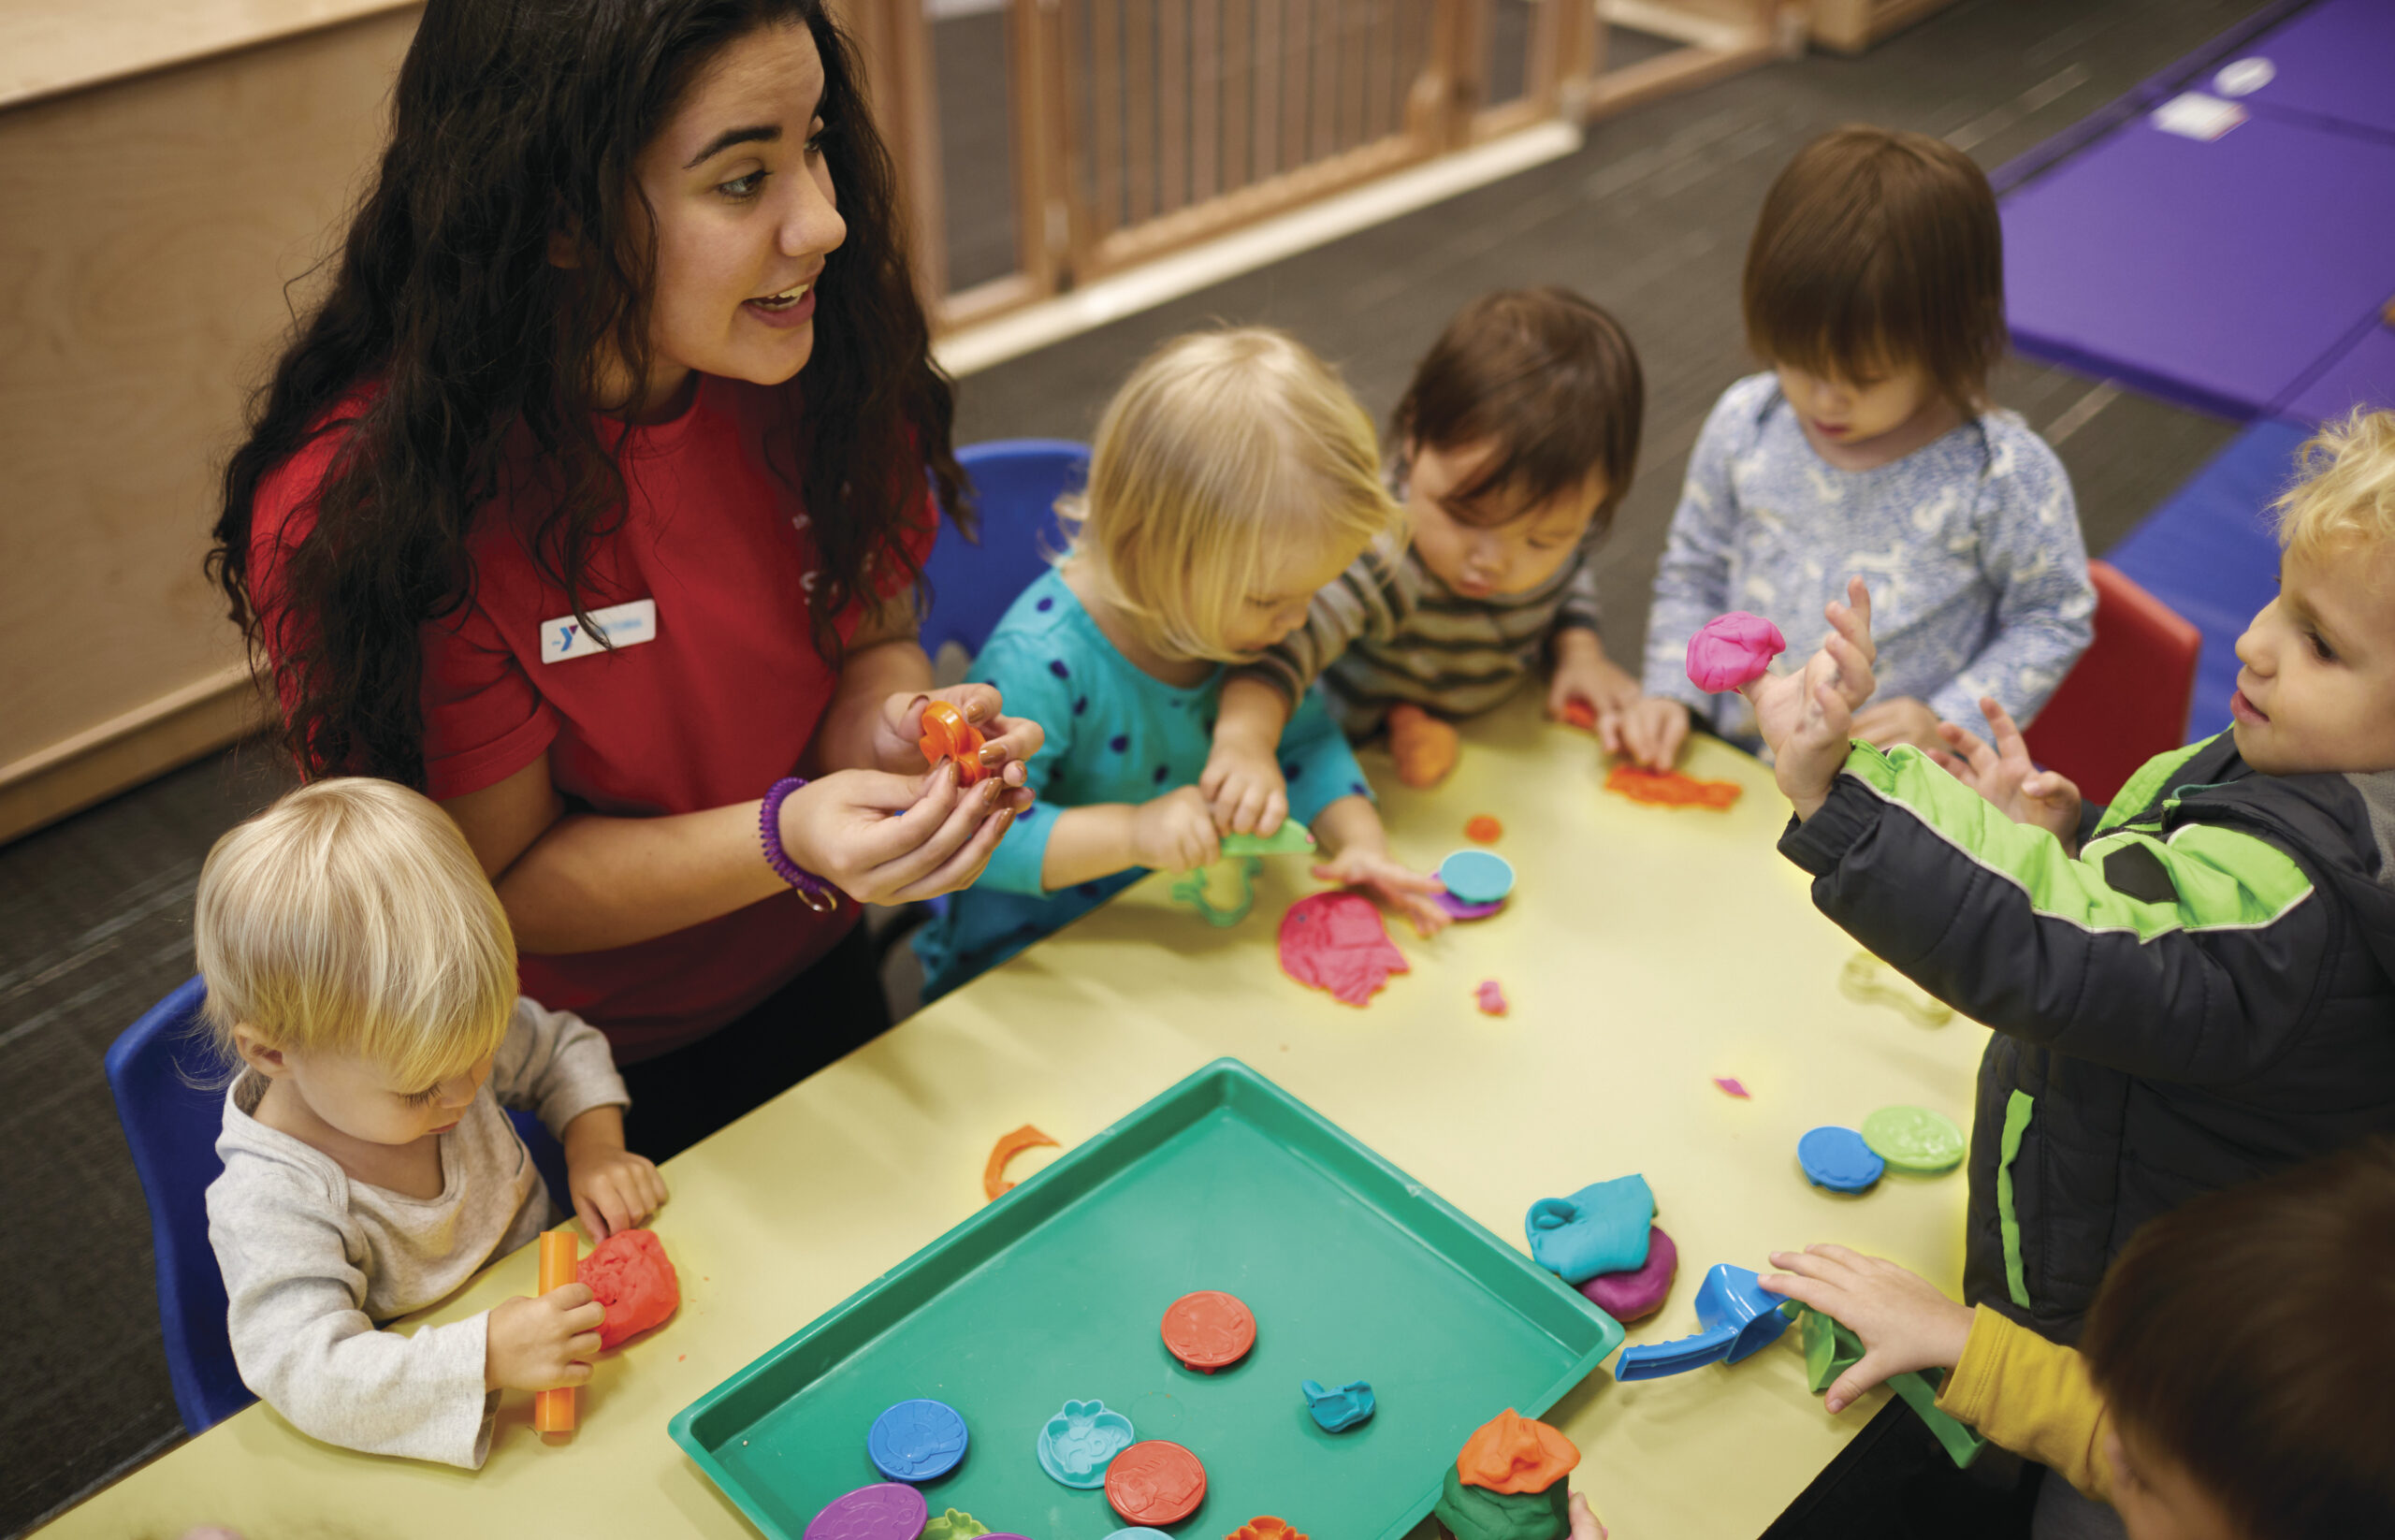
(1055, 1292)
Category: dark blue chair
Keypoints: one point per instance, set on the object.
(171, 1098)
(1016, 483)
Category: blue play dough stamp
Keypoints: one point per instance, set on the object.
(1838, 1159)
(1079, 1443)
(1477, 877)
(1335, 1411)
(917, 1441)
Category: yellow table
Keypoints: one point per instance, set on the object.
(1646, 950)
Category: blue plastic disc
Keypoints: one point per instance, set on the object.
(1838, 1159)
(1477, 877)
(917, 1441)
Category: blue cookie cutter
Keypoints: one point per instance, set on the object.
(1477, 877)
(1601, 1228)
(1735, 1319)
(1335, 1411)
(1837, 1159)
(917, 1441)
(1079, 1443)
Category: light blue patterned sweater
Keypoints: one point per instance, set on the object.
(1970, 546)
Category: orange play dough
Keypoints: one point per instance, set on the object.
(994, 1174)
(1514, 1454)
(1425, 750)
(1483, 830)
(1670, 789)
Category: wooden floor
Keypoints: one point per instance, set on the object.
(1651, 219)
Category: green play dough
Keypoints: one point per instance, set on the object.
(1915, 1138)
(1475, 1513)
(1290, 838)
(1831, 1350)
(953, 1525)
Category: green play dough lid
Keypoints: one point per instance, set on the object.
(1915, 1138)
(1475, 1513)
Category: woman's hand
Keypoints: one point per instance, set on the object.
(613, 1189)
(897, 737)
(1807, 718)
(2008, 778)
(1904, 1321)
(883, 838)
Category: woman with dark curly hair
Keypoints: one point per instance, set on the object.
(593, 501)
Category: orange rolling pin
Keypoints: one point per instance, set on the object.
(553, 1410)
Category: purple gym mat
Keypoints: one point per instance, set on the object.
(2365, 376)
(2334, 66)
(2217, 273)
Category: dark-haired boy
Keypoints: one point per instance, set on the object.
(1518, 436)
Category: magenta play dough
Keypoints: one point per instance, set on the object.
(1641, 1292)
(1732, 650)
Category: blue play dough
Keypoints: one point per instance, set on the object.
(1600, 1228)
(1477, 877)
(1837, 1159)
(917, 1441)
(1335, 1411)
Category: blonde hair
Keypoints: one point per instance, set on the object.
(1221, 453)
(2347, 494)
(351, 917)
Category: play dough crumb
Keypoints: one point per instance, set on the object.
(1483, 830)
(1493, 1000)
(1580, 714)
(1732, 1088)
(1732, 650)
(1670, 788)
(994, 1178)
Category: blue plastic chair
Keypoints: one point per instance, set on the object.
(171, 1125)
(1016, 483)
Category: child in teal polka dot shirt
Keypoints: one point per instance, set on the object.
(1233, 475)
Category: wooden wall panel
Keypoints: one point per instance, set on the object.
(148, 230)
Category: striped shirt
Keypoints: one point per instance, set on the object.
(1387, 630)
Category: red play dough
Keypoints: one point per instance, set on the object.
(1335, 941)
(632, 1277)
(1209, 1330)
(1640, 1292)
(1157, 1482)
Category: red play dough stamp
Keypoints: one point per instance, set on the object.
(631, 1275)
(1209, 1330)
(1157, 1482)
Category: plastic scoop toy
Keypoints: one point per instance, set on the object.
(629, 1272)
(948, 735)
(553, 1410)
(1290, 838)
(1735, 1320)
(1731, 651)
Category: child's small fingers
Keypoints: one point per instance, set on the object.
(568, 1297)
(574, 1374)
(584, 1317)
(1276, 807)
(584, 1345)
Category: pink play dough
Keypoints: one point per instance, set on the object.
(1732, 650)
(632, 1277)
(1641, 1292)
(1335, 941)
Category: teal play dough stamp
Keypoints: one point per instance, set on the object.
(1477, 877)
(1079, 1442)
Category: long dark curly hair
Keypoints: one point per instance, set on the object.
(515, 119)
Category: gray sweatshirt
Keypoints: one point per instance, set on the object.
(315, 1263)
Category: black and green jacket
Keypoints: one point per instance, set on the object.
(2204, 994)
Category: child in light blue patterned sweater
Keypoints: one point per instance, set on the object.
(1874, 286)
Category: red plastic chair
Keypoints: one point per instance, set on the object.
(2128, 699)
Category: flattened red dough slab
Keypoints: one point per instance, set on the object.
(1670, 788)
(1335, 941)
(1209, 1330)
(1157, 1482)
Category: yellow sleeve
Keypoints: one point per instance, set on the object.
(2032, 1397)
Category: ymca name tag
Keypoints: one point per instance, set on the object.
(623, 625)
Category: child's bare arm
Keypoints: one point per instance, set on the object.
(1243, 782)
(1904, 1321)
(1173, 832)
(1357, 851)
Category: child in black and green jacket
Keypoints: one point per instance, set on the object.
(2190, 989)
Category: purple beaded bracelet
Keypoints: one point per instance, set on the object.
(813, 891)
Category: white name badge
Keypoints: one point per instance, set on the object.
(623, 625)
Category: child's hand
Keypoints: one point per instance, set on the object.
(1649, 733)
(1392, 883)
(613, 1188)
(1806, 717)
(1584, 672)
(883, 838)
(1175, 832)
(2008, 778)
(1900, 719)
(1243, 787)
(542, 1341)
(1904, 1321)
(1010, 741)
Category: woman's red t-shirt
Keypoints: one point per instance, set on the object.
(706, 704)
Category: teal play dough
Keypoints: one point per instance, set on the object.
(1601, 1228)
(1475, 1513)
